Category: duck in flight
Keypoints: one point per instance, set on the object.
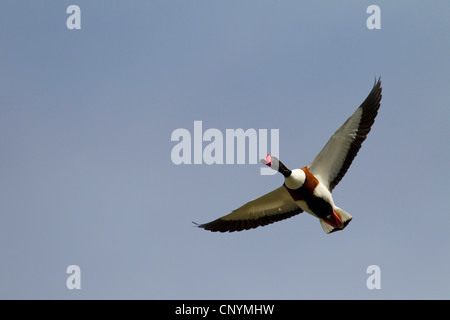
(309, 188)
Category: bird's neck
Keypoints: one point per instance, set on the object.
(283, 170)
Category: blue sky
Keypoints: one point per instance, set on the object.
(86, 118)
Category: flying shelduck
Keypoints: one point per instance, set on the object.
(309, 188)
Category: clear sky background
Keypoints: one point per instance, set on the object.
(86, 176)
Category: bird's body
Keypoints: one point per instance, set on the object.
(314, 198)
(309, 188)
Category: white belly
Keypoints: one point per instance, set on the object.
(322, 192)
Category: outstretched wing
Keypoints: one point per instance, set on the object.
(271, 207)
(331, 164)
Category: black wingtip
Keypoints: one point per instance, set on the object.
(377, 81)
(218, 225)
(204, 226)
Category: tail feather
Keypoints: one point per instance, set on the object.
(345, 218)
(326, 227)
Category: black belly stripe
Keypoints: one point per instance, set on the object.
(318, 206)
